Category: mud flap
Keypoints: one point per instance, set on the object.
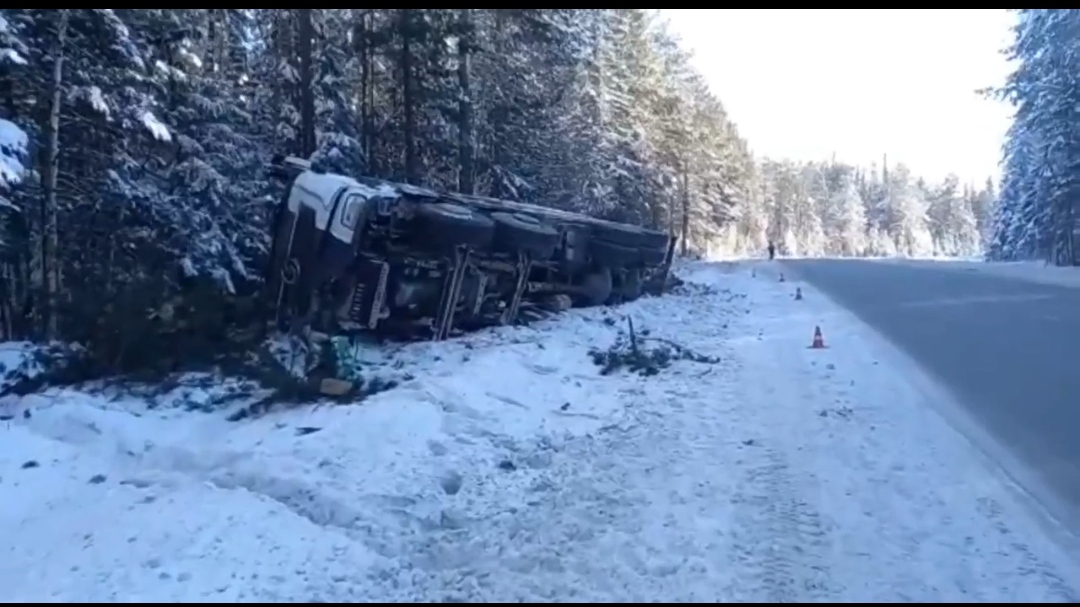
(451, 293)
(659, 281)
(522, 269)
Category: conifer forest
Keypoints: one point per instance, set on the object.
(1040, 178)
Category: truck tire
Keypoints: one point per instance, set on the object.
(628, 235)
(446, 225)
(517, 232)
(596, 288)
(612, 255)
(632, 284)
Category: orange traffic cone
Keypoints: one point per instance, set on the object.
(798, 294)
(819, 341)
(781, 277)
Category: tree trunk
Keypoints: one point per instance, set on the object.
(212, 35)
(685, 210)
(412, 167)
(361, 46)
(466, 132)
(50, 271)
(307, 83)
(497, 116)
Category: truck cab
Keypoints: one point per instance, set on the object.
(317, 232)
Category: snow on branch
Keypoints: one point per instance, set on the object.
(155, 126)
(12, 50)
(13, 143)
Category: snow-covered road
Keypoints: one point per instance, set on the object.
(510, 470)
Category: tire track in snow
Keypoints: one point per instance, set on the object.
(779, 537)
(783, 539)
(1032, 564)
(790, 537)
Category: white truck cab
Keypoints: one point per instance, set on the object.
(316, 229)
(339, 202)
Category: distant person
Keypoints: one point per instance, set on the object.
(772, 251)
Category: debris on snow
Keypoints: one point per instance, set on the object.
(272, 377)
(642, 354)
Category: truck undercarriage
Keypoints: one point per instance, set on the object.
(368, 255)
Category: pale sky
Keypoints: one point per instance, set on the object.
(803, 84)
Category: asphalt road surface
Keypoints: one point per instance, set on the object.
(1009, 350)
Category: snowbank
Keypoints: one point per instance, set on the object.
(1031, 271)
(510, 470)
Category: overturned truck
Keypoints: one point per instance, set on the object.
(369, 255)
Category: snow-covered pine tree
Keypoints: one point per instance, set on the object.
(1041, 180)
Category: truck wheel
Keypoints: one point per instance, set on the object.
(612, 255)
(596, 288)
(629, 235)
(575, 245)
(516, 232)
(631, 285)
(449, 225)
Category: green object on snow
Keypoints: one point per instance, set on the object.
(347, 365)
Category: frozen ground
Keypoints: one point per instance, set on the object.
(509, 470)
